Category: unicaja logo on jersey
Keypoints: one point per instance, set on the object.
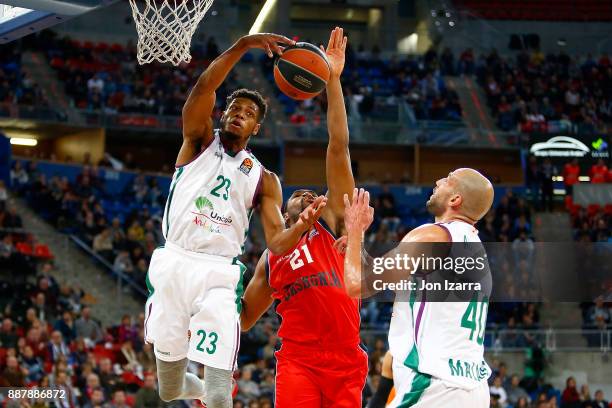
(207, 218)
(202, 202)
(246, 166)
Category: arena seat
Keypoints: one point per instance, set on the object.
(42, 251)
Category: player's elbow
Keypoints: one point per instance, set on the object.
(353, 290)
(246, 324)
(338, 143)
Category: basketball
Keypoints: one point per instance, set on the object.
(302, 71)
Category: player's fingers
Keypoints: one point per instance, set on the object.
(317, 201)
(355, 194)
(339, 36)
(268, 50)
(347, 203)
(282, 39)
(361, 196)
(366, 199)
(276, 49)
(344, 41)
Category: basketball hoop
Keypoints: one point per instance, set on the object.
(165, 28)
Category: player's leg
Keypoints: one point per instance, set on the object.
(295, 386)
(167, 324)
(218, 387)
(342, 378)
(215, 330)
(176, 383)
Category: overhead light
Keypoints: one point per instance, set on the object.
(261, 17)
(451, 23)
(20, 141)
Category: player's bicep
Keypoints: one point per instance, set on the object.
(271, 203)
(197, 115)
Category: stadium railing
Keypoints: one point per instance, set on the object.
(552, 340)
(441, 133)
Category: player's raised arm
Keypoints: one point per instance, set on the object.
(197, 111)
(280, 239)
(358, 275)
(340, 179)
(257, 297)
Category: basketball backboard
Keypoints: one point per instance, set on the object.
(19, 18)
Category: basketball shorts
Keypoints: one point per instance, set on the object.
(416, 390)
(193, 309)
(319, 377)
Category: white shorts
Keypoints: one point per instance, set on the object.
(193, 309)
(416, 390)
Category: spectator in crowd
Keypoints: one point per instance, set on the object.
(13, 375)
(599, 172)
(87, 328)
(8, 336)
(66, 326)
(571, 172)
(97, 399)
(247, 388)
(515, 392)
(496, 388)
(570, 397)
(108, 379)
(599, 401)
(62, 382)
(103, 244)
(32, 365)
(119, 400)
(523, 248)
(57, 347)
(19, 176)
(147, 397)
(12, 219)
(387, 210)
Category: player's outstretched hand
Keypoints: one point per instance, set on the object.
(267, 42)
(312, 213)
(358, 215)
(335, 51)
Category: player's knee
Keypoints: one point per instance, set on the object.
(167, 395)
(217, 399)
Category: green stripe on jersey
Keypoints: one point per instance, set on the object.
(178, 175)
(419, 384)
(239, 285)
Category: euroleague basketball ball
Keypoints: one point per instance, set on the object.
(302, 71)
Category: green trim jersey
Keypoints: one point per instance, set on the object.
(442, 339)
(211, 200)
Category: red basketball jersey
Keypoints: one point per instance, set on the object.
(308, 285)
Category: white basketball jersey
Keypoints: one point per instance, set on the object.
(442, 339)
(211, 200)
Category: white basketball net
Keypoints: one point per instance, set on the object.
(165, 28)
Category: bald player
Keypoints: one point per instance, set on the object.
(437, 347)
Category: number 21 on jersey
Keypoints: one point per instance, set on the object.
(297, 260)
